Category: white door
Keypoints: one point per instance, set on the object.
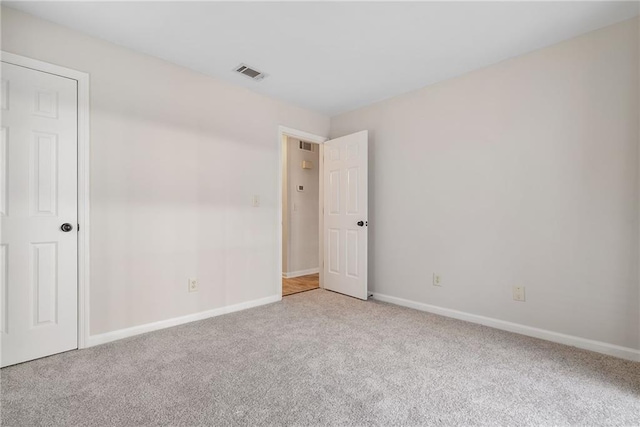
(345, 215)
(38, 180)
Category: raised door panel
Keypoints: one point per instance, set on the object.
(352, 191)
(45, 103)
(333, 246)
(4, 276)
(4, 171)
(334, 192)
(43, 186)
(351, 254)
(4, 94)
(44, 283)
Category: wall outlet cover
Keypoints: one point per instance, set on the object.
(437, 280)
(518, 293)
(193, 285)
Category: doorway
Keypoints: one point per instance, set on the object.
(342, 211)
(301, 208)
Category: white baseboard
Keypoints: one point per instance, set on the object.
(299, 273)
(583, 343)
(162, 324)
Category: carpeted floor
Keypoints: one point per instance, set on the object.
(319, 358)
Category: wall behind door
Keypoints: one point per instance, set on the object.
(176, 157)
(302, 209)
(524, 173)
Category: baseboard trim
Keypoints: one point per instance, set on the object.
(583, 343)
(292, 274)
(94, 340)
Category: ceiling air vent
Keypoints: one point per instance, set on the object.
(306, 146)
(250, 72)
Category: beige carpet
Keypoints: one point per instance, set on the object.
(318, 358)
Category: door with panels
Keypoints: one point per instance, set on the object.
(345, 215)
(38, 209)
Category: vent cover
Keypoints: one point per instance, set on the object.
(252, 73)
(306, 146)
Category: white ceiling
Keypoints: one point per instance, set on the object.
(333, 57)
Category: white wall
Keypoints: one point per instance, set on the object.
(176, 158)
(302, 209)
(522, 173)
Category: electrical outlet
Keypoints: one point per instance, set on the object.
(255, 201)
(193, 285)
(437, 280)
(518, 293)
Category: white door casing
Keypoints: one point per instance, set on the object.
(345, 214)
(39, 184)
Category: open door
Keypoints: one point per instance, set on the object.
(345, 215)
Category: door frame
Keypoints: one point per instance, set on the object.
(83, 179)
(283, 133)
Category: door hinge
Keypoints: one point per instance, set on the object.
(78, 227)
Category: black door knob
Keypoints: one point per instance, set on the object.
(360, 223)
(66, 227)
